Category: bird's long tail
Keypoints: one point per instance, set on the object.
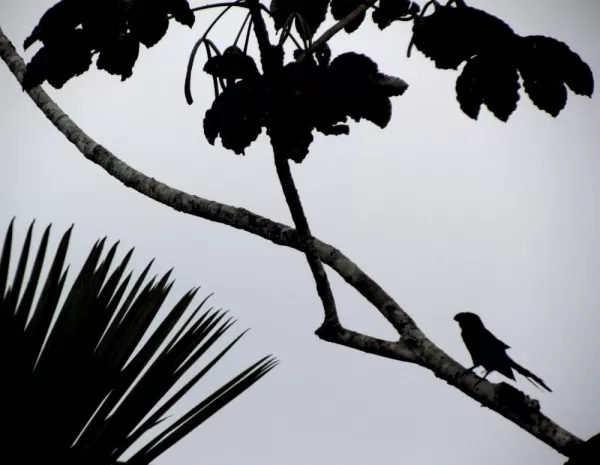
(533, 379)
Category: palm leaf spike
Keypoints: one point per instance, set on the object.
(90, 377)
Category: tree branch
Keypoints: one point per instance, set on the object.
(306, 240)
(368, 344)
(517, 408)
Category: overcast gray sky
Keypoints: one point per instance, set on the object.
(447, 214)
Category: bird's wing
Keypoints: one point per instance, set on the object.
(494, 341)
(495, 354)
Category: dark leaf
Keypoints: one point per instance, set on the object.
(547, 94)
(501, 89)
(542, 73)
(58, 20)
(233, 64)
(342, 8)
(60, 61)
(371, 104)
(353, 64)
(389, 11)
(468, 89)
(552, 57)
(452, 35)
(69, 60)
(37, 69)
(181, 11)
(336, 130)
(294, 100)
(354, 80)
(148, 21)
(292, 139)
(273, 58)
(119, 57)
(236, 115)
(390, 85)
(313, 12)
(104, 22)
(491, 79)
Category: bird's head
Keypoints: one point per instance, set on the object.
(467, 319)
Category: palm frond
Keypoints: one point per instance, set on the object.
(84, 382)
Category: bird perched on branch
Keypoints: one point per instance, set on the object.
(490, 352)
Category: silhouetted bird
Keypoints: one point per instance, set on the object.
(490, 352)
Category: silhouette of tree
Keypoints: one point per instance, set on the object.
(290, 98)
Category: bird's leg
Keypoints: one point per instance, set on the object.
(481, 379)
(468, 370)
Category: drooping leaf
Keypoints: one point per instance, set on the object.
(148, 21)
(546, 93)
(335, 130)
(354, 78)
(342, 8)
(372, 105)
(501, 90)
(468, 89)
(353, 65)
(37, 69)
(299, 98)
(104, 22)
(551, 57)
(232, 64)
(491, 79)
(119, 57)
(389, 11)
(540, 63)
(57, 21)
(452, 35)
(60, 61)
(313, 12)
(291, 102)
(72, 59)
(236, 115)
(181, 11)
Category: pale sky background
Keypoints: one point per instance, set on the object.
(447, 214)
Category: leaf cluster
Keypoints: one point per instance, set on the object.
(72, 31)
(292, 101)
(85, 380)
(313, 13)
(495, 57)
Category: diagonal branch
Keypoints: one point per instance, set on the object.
(508, 402)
